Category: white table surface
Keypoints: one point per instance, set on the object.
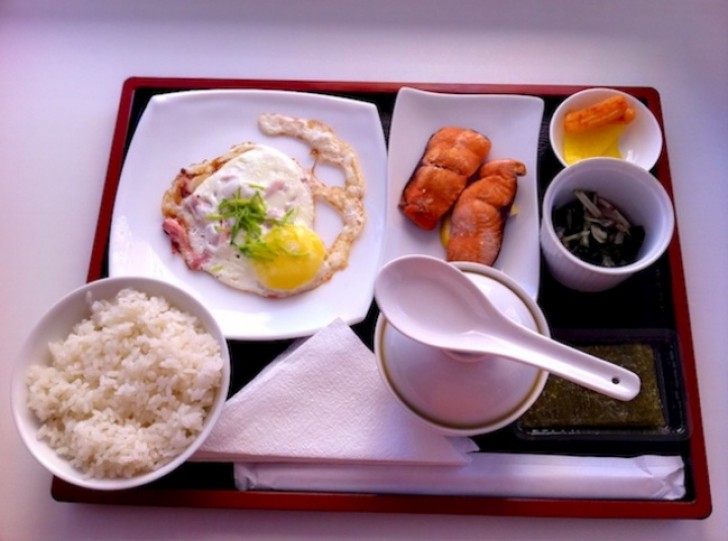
(62, 65)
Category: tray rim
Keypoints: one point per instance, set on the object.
(698, 508)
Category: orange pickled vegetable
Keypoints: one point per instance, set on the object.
(612, 110)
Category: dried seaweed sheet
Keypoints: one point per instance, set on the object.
(565, 405)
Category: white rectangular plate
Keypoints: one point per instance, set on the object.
(182, 128)
(512, 123)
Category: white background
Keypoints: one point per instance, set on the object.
(62, 65)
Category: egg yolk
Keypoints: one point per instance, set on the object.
(602, 141)
(297, 255)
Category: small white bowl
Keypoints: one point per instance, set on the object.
(57, 324)
(635, 192)
(640, 142)
(464, 397)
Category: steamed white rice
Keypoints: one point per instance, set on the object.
(129, 389)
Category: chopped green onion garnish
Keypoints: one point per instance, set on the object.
(247, 217)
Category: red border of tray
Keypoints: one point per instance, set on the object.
(699, 507)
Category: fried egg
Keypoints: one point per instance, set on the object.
(247, 217)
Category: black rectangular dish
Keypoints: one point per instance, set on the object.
(567, 412)
(649, 310)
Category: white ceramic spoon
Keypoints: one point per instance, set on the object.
(434, 303)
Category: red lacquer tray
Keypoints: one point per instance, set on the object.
(652, 307)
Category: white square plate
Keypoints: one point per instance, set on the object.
(182, 128)
(512, 123)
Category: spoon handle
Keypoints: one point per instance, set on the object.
(566, 362)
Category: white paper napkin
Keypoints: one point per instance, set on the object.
(488, 474)
(323, 400)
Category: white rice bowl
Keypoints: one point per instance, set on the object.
(111, 393)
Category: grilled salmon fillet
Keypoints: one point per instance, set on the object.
(479, 217)
(451, 157)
